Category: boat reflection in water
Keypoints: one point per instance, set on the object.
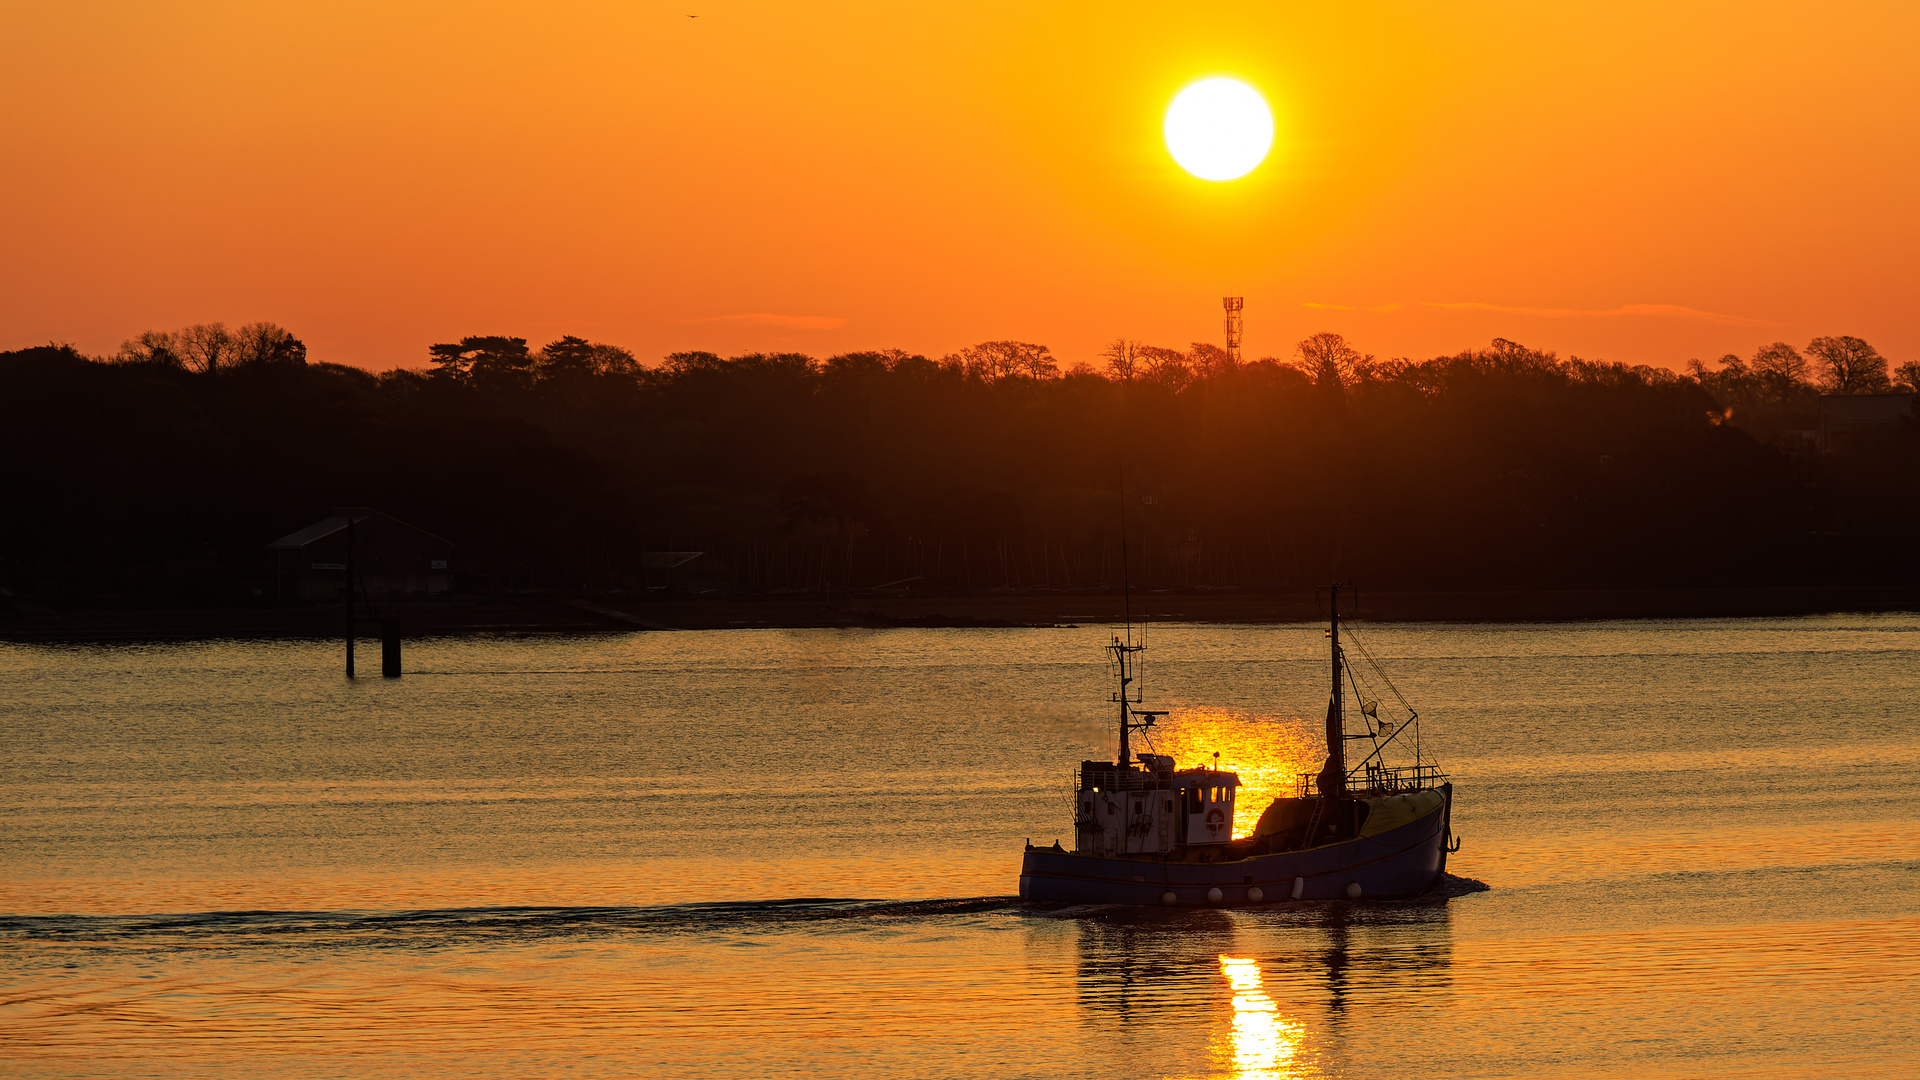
(1263, 995)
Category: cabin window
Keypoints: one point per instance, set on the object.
(1138, 808)
(1196, 800)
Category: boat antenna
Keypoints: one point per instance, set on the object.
(1125, 653)
(1126, 570)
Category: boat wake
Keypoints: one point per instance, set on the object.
(428, 927)
(444, 926)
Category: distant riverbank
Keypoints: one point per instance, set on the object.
(546, 615)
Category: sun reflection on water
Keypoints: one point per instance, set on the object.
(1265, 1046)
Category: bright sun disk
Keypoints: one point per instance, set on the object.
(1219, 129)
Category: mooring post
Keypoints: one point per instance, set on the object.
(349, 594)
(390, 648)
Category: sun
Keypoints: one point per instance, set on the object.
(1219, 129)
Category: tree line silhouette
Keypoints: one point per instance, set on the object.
(159, 472)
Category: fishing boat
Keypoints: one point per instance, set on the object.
(1147, 831)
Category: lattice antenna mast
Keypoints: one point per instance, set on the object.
(1233, 304)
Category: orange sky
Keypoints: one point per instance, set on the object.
(1644, 182)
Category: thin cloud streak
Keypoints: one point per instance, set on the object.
(1381, 308)
(1661, 311)
(782, 322)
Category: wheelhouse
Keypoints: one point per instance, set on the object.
(1152, 807)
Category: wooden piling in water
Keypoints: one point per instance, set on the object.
(349, 593)
(390, 648)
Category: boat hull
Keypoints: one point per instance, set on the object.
(1403, 861)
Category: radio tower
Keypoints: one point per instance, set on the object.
(1233, 304)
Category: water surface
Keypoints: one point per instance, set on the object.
(767, 853)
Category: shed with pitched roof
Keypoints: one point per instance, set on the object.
(389, 557)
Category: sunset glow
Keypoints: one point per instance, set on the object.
(1269, 753)
(1670, 183)
(948, 541)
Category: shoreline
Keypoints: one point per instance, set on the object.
(443, 616)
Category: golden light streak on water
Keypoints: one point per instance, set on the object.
(1267, 751)
(1265, 1046)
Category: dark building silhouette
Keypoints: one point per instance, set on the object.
(391, 558)
(1844, 415)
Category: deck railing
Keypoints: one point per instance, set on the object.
(1381, 779)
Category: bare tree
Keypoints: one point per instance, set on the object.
(206, 347)
(1906, 377)
(1123, 359)
(1209, 359)
(1780, 360)
(264, 343)
(1167, 366)
(614, 360)
(152, 347)
(996, 360)
(211, 348)
(1849, 365)
(1330, 360)
(986, 361)
(1730, 365)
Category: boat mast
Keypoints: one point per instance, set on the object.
(1333, 778)
(1123, 652)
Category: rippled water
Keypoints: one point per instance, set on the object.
(768, 853)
